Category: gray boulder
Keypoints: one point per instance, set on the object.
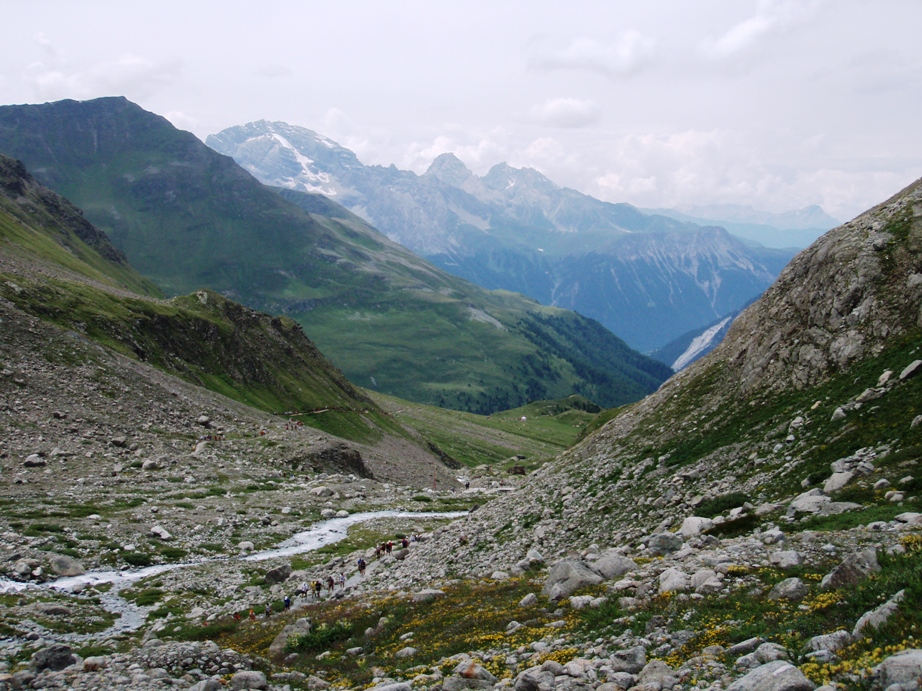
(672, 581)
(567, 576)
(791, 589)
(299, 628)
(469, 675)
(611, 564)
(66, 566)
(631, 660)
(279, 574)
(774, 676)
(535, 679)
(249, 679)
(55, 657)
(853, 569)
(903, 668)
(695, 525)
(877, 617)
(661, 544)
(786, 559)
(211, 684)
(830, 641)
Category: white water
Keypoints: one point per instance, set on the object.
(132, 617)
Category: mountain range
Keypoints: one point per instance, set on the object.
(189, 218)
(797, 228)
(648, 278)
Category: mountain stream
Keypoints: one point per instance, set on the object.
(133, 616)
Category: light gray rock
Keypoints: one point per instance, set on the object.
(911, 370)
(210, 684)
(838, 414)
(830, 641)
(877, 617)
(902, 668)
(618, 681)
(299, 628)
(246, 546)
(791, 589)
(34, 461)
(769, 652)
(611, 565)
(774, 676)
(743, 647)
(673, 581)
(808, 502)
(470, 669)
(853, 569)
(837, 481)
(529, 600)
(910, 518)
(695, 525)
(661, 544)
(534, 679)
(426, 594)
(786, 559)
(657, 672)
(161, 533)
(63, 565)
(630, 660)
(95, 663)
(567, 576)
(408, 651)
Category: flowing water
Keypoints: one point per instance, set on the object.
(132, 617)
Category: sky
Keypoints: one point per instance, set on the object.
(777, 104)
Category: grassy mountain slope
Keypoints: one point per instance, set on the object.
(60, 268)
(189, 218)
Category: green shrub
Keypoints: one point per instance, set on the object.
(320, 638)
(137, 558)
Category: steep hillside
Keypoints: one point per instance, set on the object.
(647, 278)
(189, 218)
(815, 371)
(59, 268)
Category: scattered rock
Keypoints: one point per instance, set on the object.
(774, 676)
(567, 576)
(855, 568)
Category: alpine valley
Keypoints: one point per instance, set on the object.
(648, 278)
(196, 498)
(188, 218)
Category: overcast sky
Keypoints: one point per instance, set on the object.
(774, 103)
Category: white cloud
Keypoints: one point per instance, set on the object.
(566, 112)
(694, 167)
(771, 17)
(478, 150)
(629, 54)
(130, 75)
(273, 71)
(181, 120)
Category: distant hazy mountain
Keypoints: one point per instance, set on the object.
(648, 278)
(188, 218)
(797, 228)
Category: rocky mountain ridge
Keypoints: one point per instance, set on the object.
(189, 218)
(648, 278)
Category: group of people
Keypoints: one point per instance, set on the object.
(315, 588)
(388, 547)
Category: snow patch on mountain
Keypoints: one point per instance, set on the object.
(699, 344)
